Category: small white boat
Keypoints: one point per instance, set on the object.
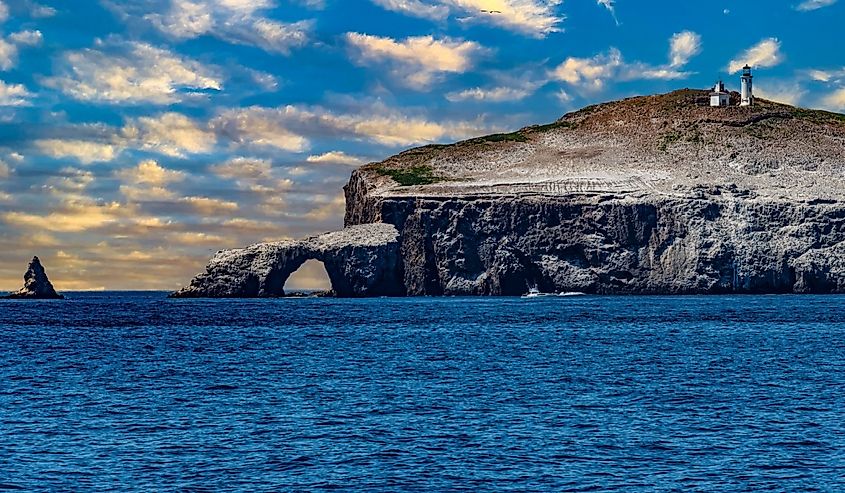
(533, 292)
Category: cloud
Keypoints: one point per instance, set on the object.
(171, 134)
(592, 73)
(234, 21)
(27, 38)
(416, 8)
(589, 72)
(151, 173)
(5, 170)
(283, 127)
(835, 100)
(71, 217)
(380, 124)
(41, 11)
(131, 73)
(148, 181)
(257, 126)
(814, 4)
(536, 18)
(4, 11)
(492, 94)
(8, 55)
(210, 206)
(14, 95)
(244, 168)
(682, 47)
(610, 5)
(84, 151)
(417, 61)
(766, 53)
(790, 93)
(335, 157)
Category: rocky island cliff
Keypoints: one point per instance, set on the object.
(655, 194)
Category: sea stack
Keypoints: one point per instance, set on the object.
(36, 284)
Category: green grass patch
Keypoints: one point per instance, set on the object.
(511, 137)
(552, 126)
(409, 177)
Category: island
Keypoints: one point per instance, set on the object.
(661, 194)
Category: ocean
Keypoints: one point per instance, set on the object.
(116, 392)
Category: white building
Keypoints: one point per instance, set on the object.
(747, 92)
(720, 97)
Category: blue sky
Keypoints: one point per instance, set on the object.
(136, 138)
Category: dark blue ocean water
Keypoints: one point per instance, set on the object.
(133, 392)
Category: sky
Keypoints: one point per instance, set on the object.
(139, 137)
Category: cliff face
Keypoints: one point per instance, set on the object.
(648, 195)
(655, 194)
(713, 244)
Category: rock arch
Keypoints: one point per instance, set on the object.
(360, 261)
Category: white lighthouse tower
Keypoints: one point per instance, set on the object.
(747, 92)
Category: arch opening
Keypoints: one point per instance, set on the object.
(311, 278)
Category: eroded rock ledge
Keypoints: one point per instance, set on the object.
(360, 261)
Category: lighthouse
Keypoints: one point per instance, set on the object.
(747, 88)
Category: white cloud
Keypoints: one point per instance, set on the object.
(233, 21)
(336, 157)
(84, 151)
(592, 73)
(589, 72)
(172, 134)
(416, 8)
(131, 73)
(536, 18)
(766, 53)
(814, 4)
(417, 60)
(14, 94)
(4, 11)
(28, 38)
(683, 46)
(492, 94)
(149, 172)
(4, 170)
